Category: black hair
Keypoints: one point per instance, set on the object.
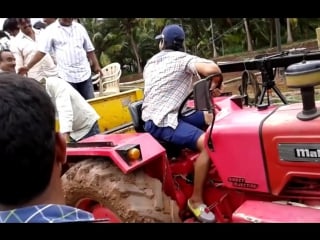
(1, 51)
(176, 45)
(10, 25)
(27, 139)
(39, 25)
(22, 20)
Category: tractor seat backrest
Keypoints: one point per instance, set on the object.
(135, 109)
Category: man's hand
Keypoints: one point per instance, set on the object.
(97, 70)
(216, 92)
(67, 137)
(216, 84)
(23, 70)
(208, 117)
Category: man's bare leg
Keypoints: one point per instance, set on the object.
(201, 168)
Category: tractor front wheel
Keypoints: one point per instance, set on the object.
(134, 197)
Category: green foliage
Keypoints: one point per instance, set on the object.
(130, 41)
(104, 59)
(233, 49)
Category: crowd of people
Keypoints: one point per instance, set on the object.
(32, 98)
(46, 70)
(77, 118)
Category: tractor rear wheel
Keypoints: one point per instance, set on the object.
(134, 197)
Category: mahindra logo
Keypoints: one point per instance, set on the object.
(307, 153)
(299, 152)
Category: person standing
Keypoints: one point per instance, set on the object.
(48, 21)
(77, 118)
(9, 30)
(73, 51)
(24, 47)
(10, 26)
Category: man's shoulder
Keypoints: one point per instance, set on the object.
(79, 26)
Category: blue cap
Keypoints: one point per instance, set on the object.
(172, 33)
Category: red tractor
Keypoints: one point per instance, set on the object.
(265, 158)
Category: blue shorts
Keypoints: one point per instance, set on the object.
(187, 133)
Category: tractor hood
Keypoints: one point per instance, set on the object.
(262, 150)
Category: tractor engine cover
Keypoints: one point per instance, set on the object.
(265, 151)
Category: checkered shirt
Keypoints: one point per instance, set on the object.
(168, 77)
(50, 213)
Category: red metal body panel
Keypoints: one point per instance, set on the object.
(284, 127)
(243, 180)
(269, 212)
(150, 149)
(237, 148)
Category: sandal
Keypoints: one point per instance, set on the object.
(202, 213)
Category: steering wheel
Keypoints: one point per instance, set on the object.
(202, 94)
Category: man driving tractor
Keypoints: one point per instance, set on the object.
(168, 79)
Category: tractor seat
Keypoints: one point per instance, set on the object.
(135, 110)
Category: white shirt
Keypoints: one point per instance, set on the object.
(70, 46)
(5, 43)
(23, 48)
(75, 114)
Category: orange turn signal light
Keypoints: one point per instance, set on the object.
(134, 154)
(130, 153)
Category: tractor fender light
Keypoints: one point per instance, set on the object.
(134, 154)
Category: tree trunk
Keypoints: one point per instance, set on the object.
(249, 41)
(215, 53)
(272, 23)
(289, 33)
(136, 53)
(278, 33)
(129, 28)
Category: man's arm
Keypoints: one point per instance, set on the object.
(95, 64)
(207, 68)
(64, 106)
(36, 58)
